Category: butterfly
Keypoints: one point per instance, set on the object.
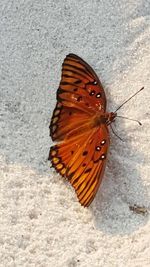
(79, 125)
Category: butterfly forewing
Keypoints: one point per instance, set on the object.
(79, 96)
(80, 80)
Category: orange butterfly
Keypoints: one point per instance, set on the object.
(80, 125)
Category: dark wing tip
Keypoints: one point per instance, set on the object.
(74, 56)
(71, 55)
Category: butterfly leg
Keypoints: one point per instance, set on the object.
(115, 133)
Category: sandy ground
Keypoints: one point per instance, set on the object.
(41, 222)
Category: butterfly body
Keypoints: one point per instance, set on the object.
(106, 118)
(79, 125)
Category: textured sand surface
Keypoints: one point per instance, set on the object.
(41, 222)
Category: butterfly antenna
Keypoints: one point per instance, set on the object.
(129, 99)
(115, 133)
(129, 119)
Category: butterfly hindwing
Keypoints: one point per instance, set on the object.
(81, 160)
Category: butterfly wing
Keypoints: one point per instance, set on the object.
(65, 120)
(81, 159)
(79, 96)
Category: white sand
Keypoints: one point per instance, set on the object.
(41, 222)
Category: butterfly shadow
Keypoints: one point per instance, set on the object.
(122, 187)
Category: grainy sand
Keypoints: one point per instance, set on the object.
(41, 222)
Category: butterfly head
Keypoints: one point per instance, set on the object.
(108, 118)
(111, 117)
